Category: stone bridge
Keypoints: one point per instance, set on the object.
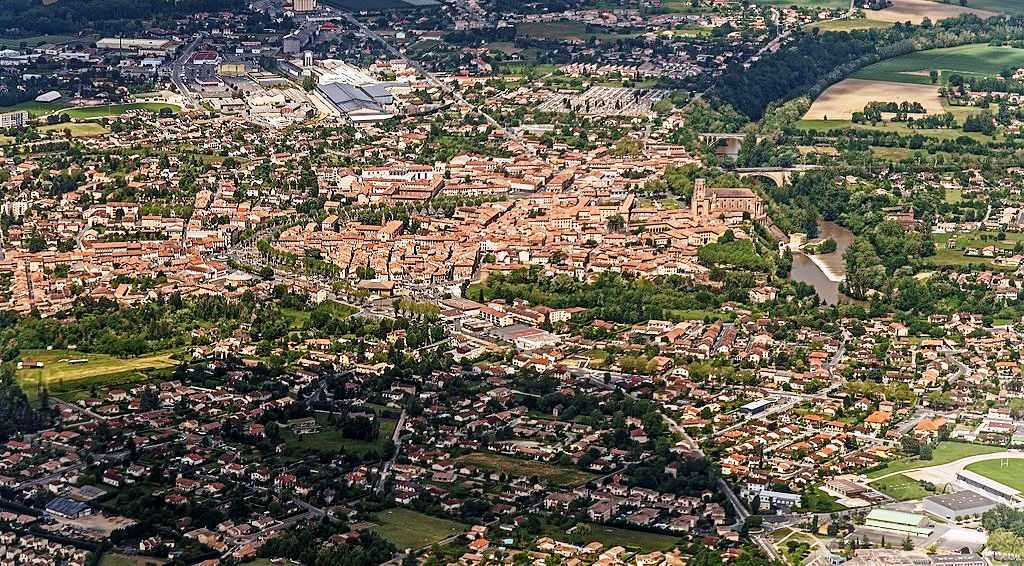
(778, 175)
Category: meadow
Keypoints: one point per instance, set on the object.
(406, 528)
(557, 475)
(976, 59)
(62, 379)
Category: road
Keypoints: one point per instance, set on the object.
(178, 68)
(431, 78)
(396, 440)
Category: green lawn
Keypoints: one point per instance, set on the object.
(77, 129)
(953, 196)
(902, 488)
(558, 475)
(645, 542)
(34, 108)
(820, 502)
(59, 377)
(849, 25)
(330, 439)
(944, 453)
(83, 112)
(972, 59)
(1012, 474)
(409, 529)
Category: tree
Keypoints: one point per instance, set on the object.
(933, 75)
(926, 451)
(616, 223)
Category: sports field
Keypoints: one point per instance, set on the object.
(1007, 472)
(973, 59)
(59, 376)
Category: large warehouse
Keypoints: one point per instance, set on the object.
(363, 103)
(964, 503)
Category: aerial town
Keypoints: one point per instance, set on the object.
(480, 282)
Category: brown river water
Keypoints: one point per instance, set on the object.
(813, 271)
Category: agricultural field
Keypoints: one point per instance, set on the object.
(1010, 7)
(1007, 472)
(408, 529)
(973, 59)
(915, 11)
(842, 99)
(558, 475)
(902, 488)
(944, 453)
(61, 378)
(849, 25)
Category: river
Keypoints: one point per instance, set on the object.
(824, 272)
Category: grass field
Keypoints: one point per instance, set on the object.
(330, 439)
(977, 59)
(816, 4)
(945, 256)
(849, 25)
(59, 377)
(558, 475)
(565, 30)
(112, 559)
(84, 112)
(36, 40)
(77, 129)
(895, 127)
(820, 502)
(34, 108)
(1011, 475)
(944, 453)
(645, 542)
(902, 488)
(409, 529)
(1011, 7)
